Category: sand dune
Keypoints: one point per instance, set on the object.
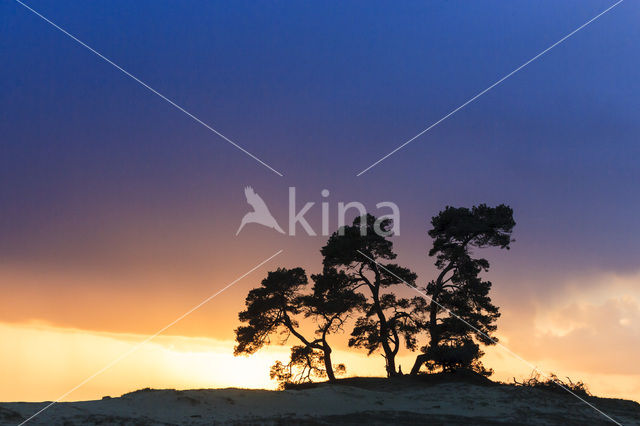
(353, 401)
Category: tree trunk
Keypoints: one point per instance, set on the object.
(389, 354)
(328, 366)
(434, 333)
(433, 341)
(391, 363)
(433, 322)
(420, 360)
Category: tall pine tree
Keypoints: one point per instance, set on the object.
(460, 289)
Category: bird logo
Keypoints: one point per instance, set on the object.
(260, 213)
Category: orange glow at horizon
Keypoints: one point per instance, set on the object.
(94, 316)
(41, 363)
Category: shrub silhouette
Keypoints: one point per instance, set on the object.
(305, 364)
(553, 383)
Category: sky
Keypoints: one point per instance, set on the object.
(118, 212)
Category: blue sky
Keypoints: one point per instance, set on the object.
(320, 91)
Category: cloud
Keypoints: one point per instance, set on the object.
(591, 324)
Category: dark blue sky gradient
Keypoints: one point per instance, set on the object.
(319, 91)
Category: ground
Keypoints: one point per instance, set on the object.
(371, 401)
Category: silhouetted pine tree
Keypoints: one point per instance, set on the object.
(459, 289)
(273, 308)
(358, 251)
